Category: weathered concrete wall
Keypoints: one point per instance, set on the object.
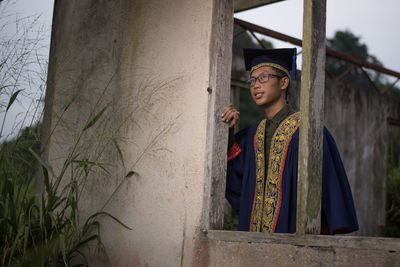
(358, 120)
(149, 64)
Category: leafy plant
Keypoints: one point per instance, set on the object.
(36, 229)
(46, 229)
(232, 222)
(392, 228)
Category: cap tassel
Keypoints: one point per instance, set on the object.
(294, 65)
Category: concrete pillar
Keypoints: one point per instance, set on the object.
(154, 70)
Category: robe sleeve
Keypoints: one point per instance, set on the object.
(235, 167)
(337, 201)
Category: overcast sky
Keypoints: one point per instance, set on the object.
(375, 22)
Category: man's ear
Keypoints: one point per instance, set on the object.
(284, 82)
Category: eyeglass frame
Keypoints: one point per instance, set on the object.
(252, 81)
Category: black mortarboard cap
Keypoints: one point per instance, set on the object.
(282, 58)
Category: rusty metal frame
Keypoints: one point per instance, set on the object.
(258, 40)
(343, 74)
(390, 86)
(329, 52)
(369, 79)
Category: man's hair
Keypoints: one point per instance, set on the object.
(282, 74)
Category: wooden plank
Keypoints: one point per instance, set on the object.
(311, 119)
(217, 131)
(242, 5)
(356, 242)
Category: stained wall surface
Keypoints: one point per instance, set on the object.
(358, 120)
(127, 89)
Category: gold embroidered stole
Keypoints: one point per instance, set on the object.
(266, 202)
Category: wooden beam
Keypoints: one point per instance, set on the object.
(311, 118)
(242, 5)
(217, 131)
(391, 245)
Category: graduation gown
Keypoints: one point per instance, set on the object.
(267, 202)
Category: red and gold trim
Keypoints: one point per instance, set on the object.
(266, 204)
(234, 151)
(256, 212)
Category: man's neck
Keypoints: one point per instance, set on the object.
(271, 111)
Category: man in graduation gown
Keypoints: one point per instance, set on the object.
(262, 159)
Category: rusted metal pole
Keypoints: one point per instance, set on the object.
(311, 118)
(329, 52)
(268, 32)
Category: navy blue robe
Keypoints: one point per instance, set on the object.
(338, 213)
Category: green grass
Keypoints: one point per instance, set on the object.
(45, 229)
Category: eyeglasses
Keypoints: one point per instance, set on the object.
(262, 78)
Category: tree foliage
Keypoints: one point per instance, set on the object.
(348, 43)
(392, 227)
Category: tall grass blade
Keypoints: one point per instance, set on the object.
(86, 163)
(107, 215)
(15, 242)
(119, 152)
(63, 249)
(69, 103)
(87, 240)
(95, 119)
(12, 99)
(129, 174)
(41, 162)
(26, 236)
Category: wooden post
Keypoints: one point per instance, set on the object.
(217, 131)
(311, 120)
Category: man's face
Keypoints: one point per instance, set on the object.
(271, 91)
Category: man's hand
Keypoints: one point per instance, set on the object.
(230, 115)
